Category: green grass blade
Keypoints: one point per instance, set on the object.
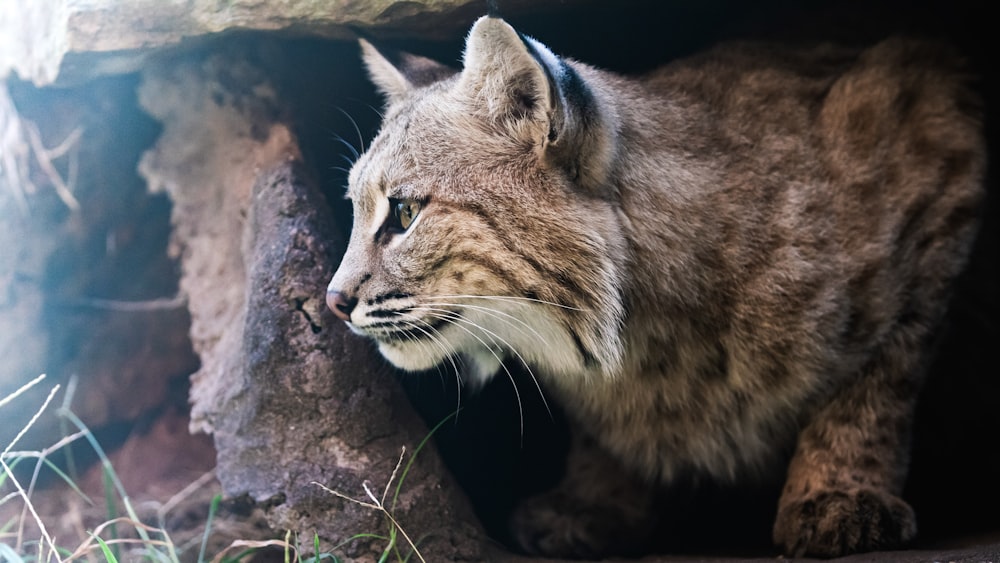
(316, 557)
(110, 472)
(13, 463)
(67, 479)
(361, 536)
(110, 506)
(109, 555)
(390, 547)
(7, 554)
(385, 554)
(208, 526)
(64, 427)
(413, 456)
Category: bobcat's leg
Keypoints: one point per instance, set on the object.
(842, 491)
(598, 509)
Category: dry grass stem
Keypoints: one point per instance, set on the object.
(63, 442)
(13, 151)
(379, 505)
(91, 545)
(17, 485)
(19, 141)
(182, 495)
(40, 460)
(164, 304)
(247, 544)
(44, 159)
(21, 391)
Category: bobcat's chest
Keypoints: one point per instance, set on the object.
(685, 410)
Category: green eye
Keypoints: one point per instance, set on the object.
(404, 212)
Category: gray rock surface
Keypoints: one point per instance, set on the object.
(23, 338)
(117, 36)
(289, 397)
(86, 285)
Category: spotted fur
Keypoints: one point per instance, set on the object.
(741, 255)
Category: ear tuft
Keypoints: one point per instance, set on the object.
(493, 8)
(396, 73)
(389, 81)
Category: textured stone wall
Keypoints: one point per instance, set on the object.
(83, 39)
(289, 396)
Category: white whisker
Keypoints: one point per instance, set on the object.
(435, 336)
(352, 148)
(512, 298)
(499, 315)
(361, 139)
(452, 315)
(439, 367)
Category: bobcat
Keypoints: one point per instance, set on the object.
(733, 266)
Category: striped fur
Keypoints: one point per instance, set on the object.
(742, 255)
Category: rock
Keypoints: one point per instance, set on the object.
(90, 38)
(291, 399)
(86, 285)
(23, 338)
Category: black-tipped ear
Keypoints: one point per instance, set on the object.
(580, 137)
(520, 82)
(397, 73)
(501, 73)
(493, 8)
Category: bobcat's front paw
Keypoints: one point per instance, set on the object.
(556, 525)
(832, 523)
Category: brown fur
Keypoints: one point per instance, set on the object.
(741, 254)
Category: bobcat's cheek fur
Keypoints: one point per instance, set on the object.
(472, 276)
(741, 255)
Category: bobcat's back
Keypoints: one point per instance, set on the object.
(786, 216)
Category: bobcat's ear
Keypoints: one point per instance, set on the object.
(526, 86)
(396, 73)
(502, 74)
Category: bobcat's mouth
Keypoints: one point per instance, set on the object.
(414, 338)
(403, 326)
(391, 332)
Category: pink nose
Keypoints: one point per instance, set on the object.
(340, 304)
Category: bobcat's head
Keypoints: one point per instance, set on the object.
(484, 224)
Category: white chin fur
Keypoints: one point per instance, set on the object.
(482, 363)
(410, 358)
(540, 341)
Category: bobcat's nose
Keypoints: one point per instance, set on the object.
(340, 304)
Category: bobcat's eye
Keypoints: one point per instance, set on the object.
(402, 213)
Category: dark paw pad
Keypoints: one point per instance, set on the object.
(835, 523)
(555, 526)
